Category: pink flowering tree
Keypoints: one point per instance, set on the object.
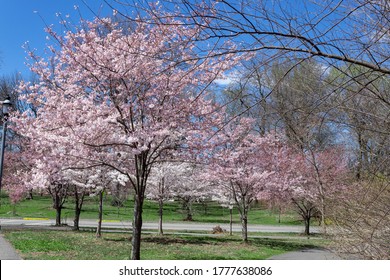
(17, 171)
(244, 167)
(326, 173)
(122, 98)
(102, 180)
(313, 180)
(286, 163)
(189, 187)
(174, 180)
(162, 177)
(77, 188)
(46, 170)
(54, 182)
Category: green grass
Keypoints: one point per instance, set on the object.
(41, 207)
(69, 245)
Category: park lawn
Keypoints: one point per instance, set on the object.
(70, 245)
(41, 207)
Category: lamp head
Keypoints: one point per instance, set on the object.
(6, 106)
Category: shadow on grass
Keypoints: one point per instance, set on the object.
(279, 244)
(287, 245)
(171, 240)
(118, 239)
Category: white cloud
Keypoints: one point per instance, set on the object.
(228, 78)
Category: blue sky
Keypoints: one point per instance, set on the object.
(24, 20)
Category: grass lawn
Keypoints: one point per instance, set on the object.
(69, 245)
(41, 207)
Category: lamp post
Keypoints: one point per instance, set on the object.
(6, 105)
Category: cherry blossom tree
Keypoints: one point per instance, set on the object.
(17, 170)
(162, 177)
(189, 187)
(45, 170)
(121, 98)
(54, 182)
(327, 172)
(93, 181)
(180, 181)
(313, 181)
(245, 166)
(78, 189)
(102, 180)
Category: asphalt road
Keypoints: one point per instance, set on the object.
(179, 226)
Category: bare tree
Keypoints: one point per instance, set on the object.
(363, 220)
(363, 107)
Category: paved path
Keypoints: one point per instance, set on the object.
(179, 226)
(307, 254)
(7, 252)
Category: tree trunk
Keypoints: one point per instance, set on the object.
(188, 207)
(57, 205)
(76, 221)
(231, 221)
(58, 215)
(323, 223)
(306, 211)
(243, 207)
(79, 199)
(99, 226)
(160, 221)
(58, 194)
(30, 195)
(244, 223)
(137, 227)
(307, 225)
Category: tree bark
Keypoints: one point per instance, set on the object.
(58, 206)
(137, 227)
(59, 195)
(99, 226)
(244, 223)
(189, 211)
(323, 222)
(30, 195)
(231, 221)
(307, 225)
(79, 200)
(58, 215)
(242, 203)
(160, 221)
(187, 207)
(76, 221)
(306, 210)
